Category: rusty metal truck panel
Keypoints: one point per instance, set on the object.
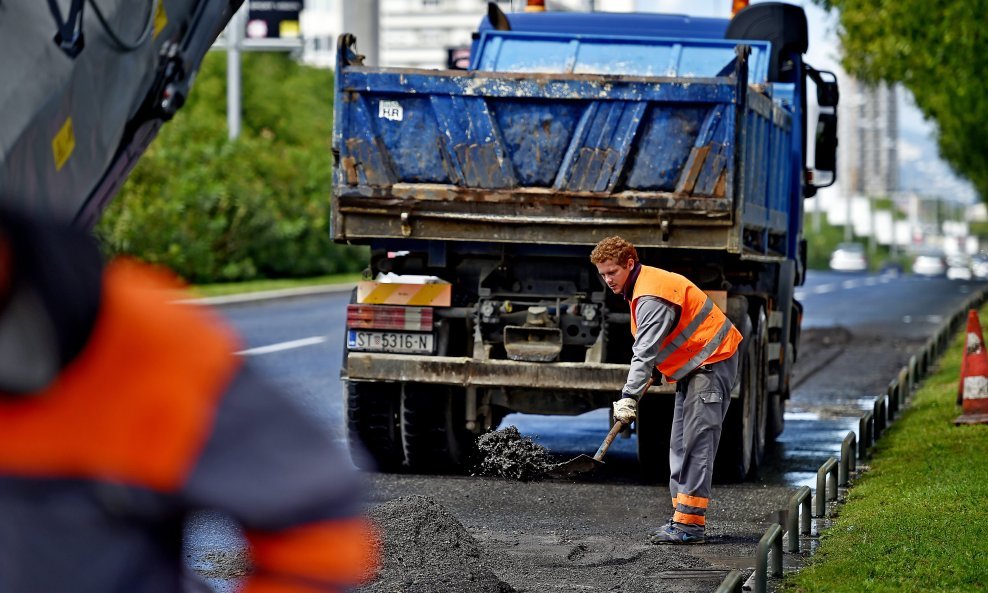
(566, 157)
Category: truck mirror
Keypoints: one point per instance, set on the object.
(827, 93)
(826, 146)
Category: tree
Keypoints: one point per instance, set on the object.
(938, 49)
(213, 209)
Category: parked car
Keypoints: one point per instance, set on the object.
(979, 266)
(930, 264)
(849, 257)
(959, 267)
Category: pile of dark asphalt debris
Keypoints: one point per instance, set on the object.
(426, 550)
(506, 453)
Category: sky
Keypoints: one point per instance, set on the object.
(920, 167)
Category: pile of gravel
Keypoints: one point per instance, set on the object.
(426, 550)
(505, 453)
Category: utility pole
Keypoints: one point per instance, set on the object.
(234, 40)
(848, 226)
(872, 239)
(235, 43)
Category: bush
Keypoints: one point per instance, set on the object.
(216, 210)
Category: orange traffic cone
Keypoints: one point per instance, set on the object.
(974, 378)
(975, 343)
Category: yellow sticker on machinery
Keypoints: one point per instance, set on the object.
(160, 19)
(393, 293)
(63, 144)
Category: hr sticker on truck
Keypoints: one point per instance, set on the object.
(390, 110)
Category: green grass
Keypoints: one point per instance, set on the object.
(918, 520)
(226, 288)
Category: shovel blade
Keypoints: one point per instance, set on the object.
(581, 464)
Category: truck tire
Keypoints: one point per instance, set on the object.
(433, 435)
(654, 430)
(371, 412)
(734, 453)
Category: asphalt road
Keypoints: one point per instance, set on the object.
(908, 306)
(863, 326)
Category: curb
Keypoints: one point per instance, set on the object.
(269, 295)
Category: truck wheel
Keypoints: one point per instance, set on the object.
(433, 434)
(653, 430)
(760, 343)
(734, 453)
(372, 425)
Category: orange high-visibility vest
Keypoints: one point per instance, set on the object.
(703, 334)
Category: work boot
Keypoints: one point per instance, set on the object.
(676, 534)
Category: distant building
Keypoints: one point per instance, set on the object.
(868, 161)
(420, 33)
(413, 33)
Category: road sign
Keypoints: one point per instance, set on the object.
(273, 19)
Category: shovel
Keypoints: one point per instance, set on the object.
(582, 464)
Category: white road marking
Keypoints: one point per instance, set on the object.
(823, 288)
(283, 346)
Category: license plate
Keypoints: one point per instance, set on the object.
(405, 343)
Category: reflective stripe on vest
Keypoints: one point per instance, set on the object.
(701, 332)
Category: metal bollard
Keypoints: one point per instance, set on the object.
(913, 378)
(732, 583)
(847, 461)
(823, 491)
(772, 537)
(864, 429)
(796, 523)
(904, 389)
(879, 422)
(893, 394)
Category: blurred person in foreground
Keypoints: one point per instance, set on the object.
(121, 412)
(679, 331)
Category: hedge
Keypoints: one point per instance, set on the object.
(216, 210)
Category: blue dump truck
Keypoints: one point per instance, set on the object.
(481, 193)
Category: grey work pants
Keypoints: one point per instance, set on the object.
(702, 399)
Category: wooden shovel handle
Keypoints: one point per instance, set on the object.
(618, 426)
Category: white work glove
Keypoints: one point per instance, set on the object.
(625, 410)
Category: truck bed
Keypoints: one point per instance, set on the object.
(560, 157)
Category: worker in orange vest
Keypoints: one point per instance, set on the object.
(121, 412)
(679, 331)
